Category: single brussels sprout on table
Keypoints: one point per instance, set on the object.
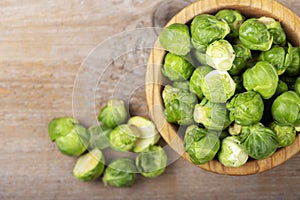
(176, 39)
(179, 105)
(261, 78)
(177, 68)
(242, 55)
(98, 137)
(213, 116)
(246, 108)
(89, 166)
(234, 18)
(220, 55)
(196, 78)
(152, 163)
(255, 35)
(281, 88)
(297, 86)
(113, 114)
(120, 173)
(286, 135)
(294, 67)
(232, 153)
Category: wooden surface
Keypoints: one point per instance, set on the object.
(155, 80)
(42, 46)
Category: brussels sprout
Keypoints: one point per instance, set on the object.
(152, 163)
(179, 105)
(89, 166)
(286, 135)
(120, 173)
(177, 68)
(281, 88)
(113, 114)
(246, 108)
(218, 86)
(239, 84)
(297, 86)
(61, 127)
(261, 78)
(294, 67)
(176, 39)
(234, 18)
(275, 30)
(213, 116)
(196, 78)
(206, 29)
(74, 143)
(220, 55)
(122, 138)
(202, 146)
(148, 133)
(98, 137)
(255, 35)
(286, 109)
(242, 55)
(235, 129)
(231, 153)
(258, 141)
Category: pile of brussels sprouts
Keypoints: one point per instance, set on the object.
(235, 83)
(138, 135)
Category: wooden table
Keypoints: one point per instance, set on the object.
(42, 46)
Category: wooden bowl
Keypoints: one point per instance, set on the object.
(154, 79)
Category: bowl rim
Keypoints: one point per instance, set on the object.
(154, 79)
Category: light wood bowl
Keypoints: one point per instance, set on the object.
(155, 81)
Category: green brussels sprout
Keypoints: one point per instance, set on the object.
(61, 127)
(242, 55)
(197, 76)
(177, 68)
(220, 55)
(152, 163)
(74, 143)
(239, 84)
(98, 137)
(89, 166)
(213, 116)
(120, 173)
(235, 129)
(218, 86)
(234, 18)
(122, 138)
(297, 86)
(255, 35)
(113, 114)
(294, 67)
(148, 135)
(246, 108)
(232, 153)
(183, 85)
(206, 29)
(286, 135)
(281, 88)
(275, 29)
(261, 78)
(201, 145)
(179, 105)
(286, 109)
(258, 141)
(176, 39)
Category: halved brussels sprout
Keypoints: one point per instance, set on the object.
(61, 127)
(176, 39)
(297, 86)
(213, 116)
(113, 114)
(177, 68)
(258, 141)
(234, 18)
(122, 138)
(261, 78)
(281, 88)
(206, 29)
(98, 137)
(246, 108)
(89, 166)
(195, 81)
(286, 135)
(255, 35)
(120, 173)
(218, 86)
(232, 153)
(148, 135)
(286, 109)
(242, 55)
(179, 105)
(152, 163)
(220, 55)
(294, 67)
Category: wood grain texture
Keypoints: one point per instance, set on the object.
(254, 8)
(42, 46)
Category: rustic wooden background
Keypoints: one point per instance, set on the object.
(42, 46)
